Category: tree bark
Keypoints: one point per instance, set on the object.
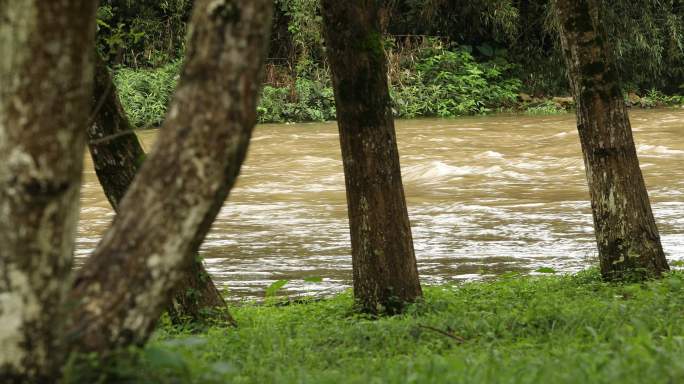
(166, 213)
(384, 264)
(46, 85)
(117, 157)
(626, 233)
(196, 297)
(116, 152)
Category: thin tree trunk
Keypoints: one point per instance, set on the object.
(384, 264)
(626, 233)
(168, 210)
(116, 152)
(117, 157)
(45, 88)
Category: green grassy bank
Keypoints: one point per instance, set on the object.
(569, 329)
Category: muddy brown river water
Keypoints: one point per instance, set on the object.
(486, 195)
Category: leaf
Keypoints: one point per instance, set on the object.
(314, 279)
(273, 289)
(545, 270)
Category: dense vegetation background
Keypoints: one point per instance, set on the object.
(447, 58)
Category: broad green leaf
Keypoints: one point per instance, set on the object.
(273, 289)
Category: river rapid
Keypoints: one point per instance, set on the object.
(486, 195)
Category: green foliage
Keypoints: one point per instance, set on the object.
(552, 329)
(273, 289)
(465, 21)
(442, 83)
(305, 27)
(648, 41)
(547, 107)
(142, 33)
(145, 93)
(274, 105)
(450, 83)
(656, 98)
(647, 36)
(482, 53)
(311, 101)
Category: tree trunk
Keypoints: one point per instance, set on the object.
(626, 233)
(384, 263)
(196, 297)
(117, 157)
(46, 84)
(115, 149)
(168, 210)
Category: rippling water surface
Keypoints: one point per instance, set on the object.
(486, 195)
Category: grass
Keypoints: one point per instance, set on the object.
(558, 329)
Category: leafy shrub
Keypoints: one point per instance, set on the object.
(273, 104)
(548, 107)
(142, 33)
(145, 93)
(450, 83)
(305, 100)
(655, 98)
(315, 101)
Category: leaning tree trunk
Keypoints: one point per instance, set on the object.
(117, 157)
(384, 263)
(167, 211)
(116, 152)
(626, 233)
(45, 86)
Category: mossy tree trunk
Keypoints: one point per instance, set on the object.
(628, 240)
(124, 286)
(45, 89)
(117, 157)
(384, 264)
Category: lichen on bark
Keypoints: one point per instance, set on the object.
(168, 210)
(46, 84)
(117, 156)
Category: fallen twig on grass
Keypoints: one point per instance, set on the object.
(457, 338)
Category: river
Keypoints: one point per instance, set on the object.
(486, 195)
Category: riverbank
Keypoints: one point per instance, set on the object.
(559, 329)
(431, 82)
